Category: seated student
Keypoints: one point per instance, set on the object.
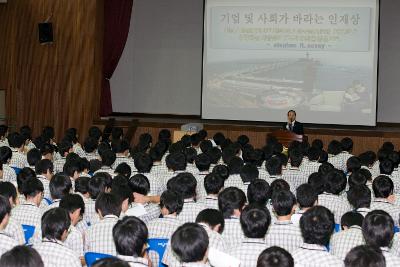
(44, 169)
(124, 197)
(378, 231)
(368, 159)
(335, 184)
(202, 162)
(176, 163)
(312, 164)
(357, 178)
(121, 150)
(64, 148)
(60, 186)
(317, 225)
(110, 262)
(6, 242)
(33, 156)
(140, 184)
(359, 197)
(383, 192)
(71, 134)
(171, 204)
(130, 238)
(47, 152)
(347, 148)
(97, 185)
(185, 185)
(107, 160)
(231, 202)
(353, 164)
(84, 167)
(18, 158)
(334, 156)
(55, 225)
(275, 257)
(3, 135)
(215, 156)
(29, 212)
(255, 221)
(98, 237)
(75, 207)
(190, 244)
(234, 180)
(365, 256)
(82, 188)
(13, 228)
(90, 147)
(350, 236)
(293, 174)
(72, 168)
(213, 185)
(307, 198)
(123, 169)
(190, 155)
(9, 174)
(21, 256)
(283, 233)
(248, 173)
(274, 169)
(144, 165)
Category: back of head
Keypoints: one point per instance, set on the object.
(278, 185)
(176, 161)
(5, 208)
(347, 144)
(130, 236)
(5, 154)
(335, 182)
(43, 166)
(73, 202)
(249, 173)
(15, 140)
(139, 184)
(255, 221)
(21, 256)
(221, 170)
(317, 143)
(386, 166)
(213, 218)
(367, 158)
(8, 190)
(382, 186)
(313, 153)
(353, 164)
(275, 257)
(108, 158)
(258, 192)
(359, 196)
(317, 225)
(365, 256)
(124, 169)
(55, 222)
(90, 144)
(33, 156)
(31, 187)
(213, 183)
(97, 185)
(60, 186)
(108, 204)
(306, 196)
(202, 162)
(120, 146)
(357, 178)
(185, 185)
(205, 146)
(229, 199)
(378, 228)
(350, 219)
(334, 147)
(283, 202)
(274, 166)
(235, 165)
(190, 243)
(171, 201)
(295, 157)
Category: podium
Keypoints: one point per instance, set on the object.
(285, 137)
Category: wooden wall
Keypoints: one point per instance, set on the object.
(56, 84)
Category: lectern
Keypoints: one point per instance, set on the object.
(285, 137)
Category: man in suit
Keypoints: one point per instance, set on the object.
(293, 125)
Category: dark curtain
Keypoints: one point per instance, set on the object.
(117, 18)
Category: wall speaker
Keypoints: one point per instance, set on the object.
(45, 33)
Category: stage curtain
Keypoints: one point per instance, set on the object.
(117, 17)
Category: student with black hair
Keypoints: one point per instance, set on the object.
(185, 184)
(47, 151)
(33, 156)
(283, 233)
(3, 135)
(307, 197)
(9, 174)
(55, 225)
(213, 185)
(24, 175)
(144, 166)
(359, 197)
(6, 242)
(357, 178)
(64, 148)
(335, 156)
(75, 207)
(274, 168)
(18, 158)
(176, 163)
(21, 256)
(365, 256)
(108, 158)
(121, 149)
(130, 238)
(275, 257)
(111, 262)
(347, 148)
(149, 211)
(248, 173)
(350, 236)
(90, 148)
(171, 204)
(44, 170)
(60, 186)
(82, 188)
(331, 198)
(190, 243)
(255, 221)
(368, 160)
(98, 237)
(293, 174)
(378, 231)
(231, 202)
(311, 164)
(221, 170)
(29, 213)
(317, 225)
(123, 169)
(97, 185)
(202, 162)
(383, 197)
